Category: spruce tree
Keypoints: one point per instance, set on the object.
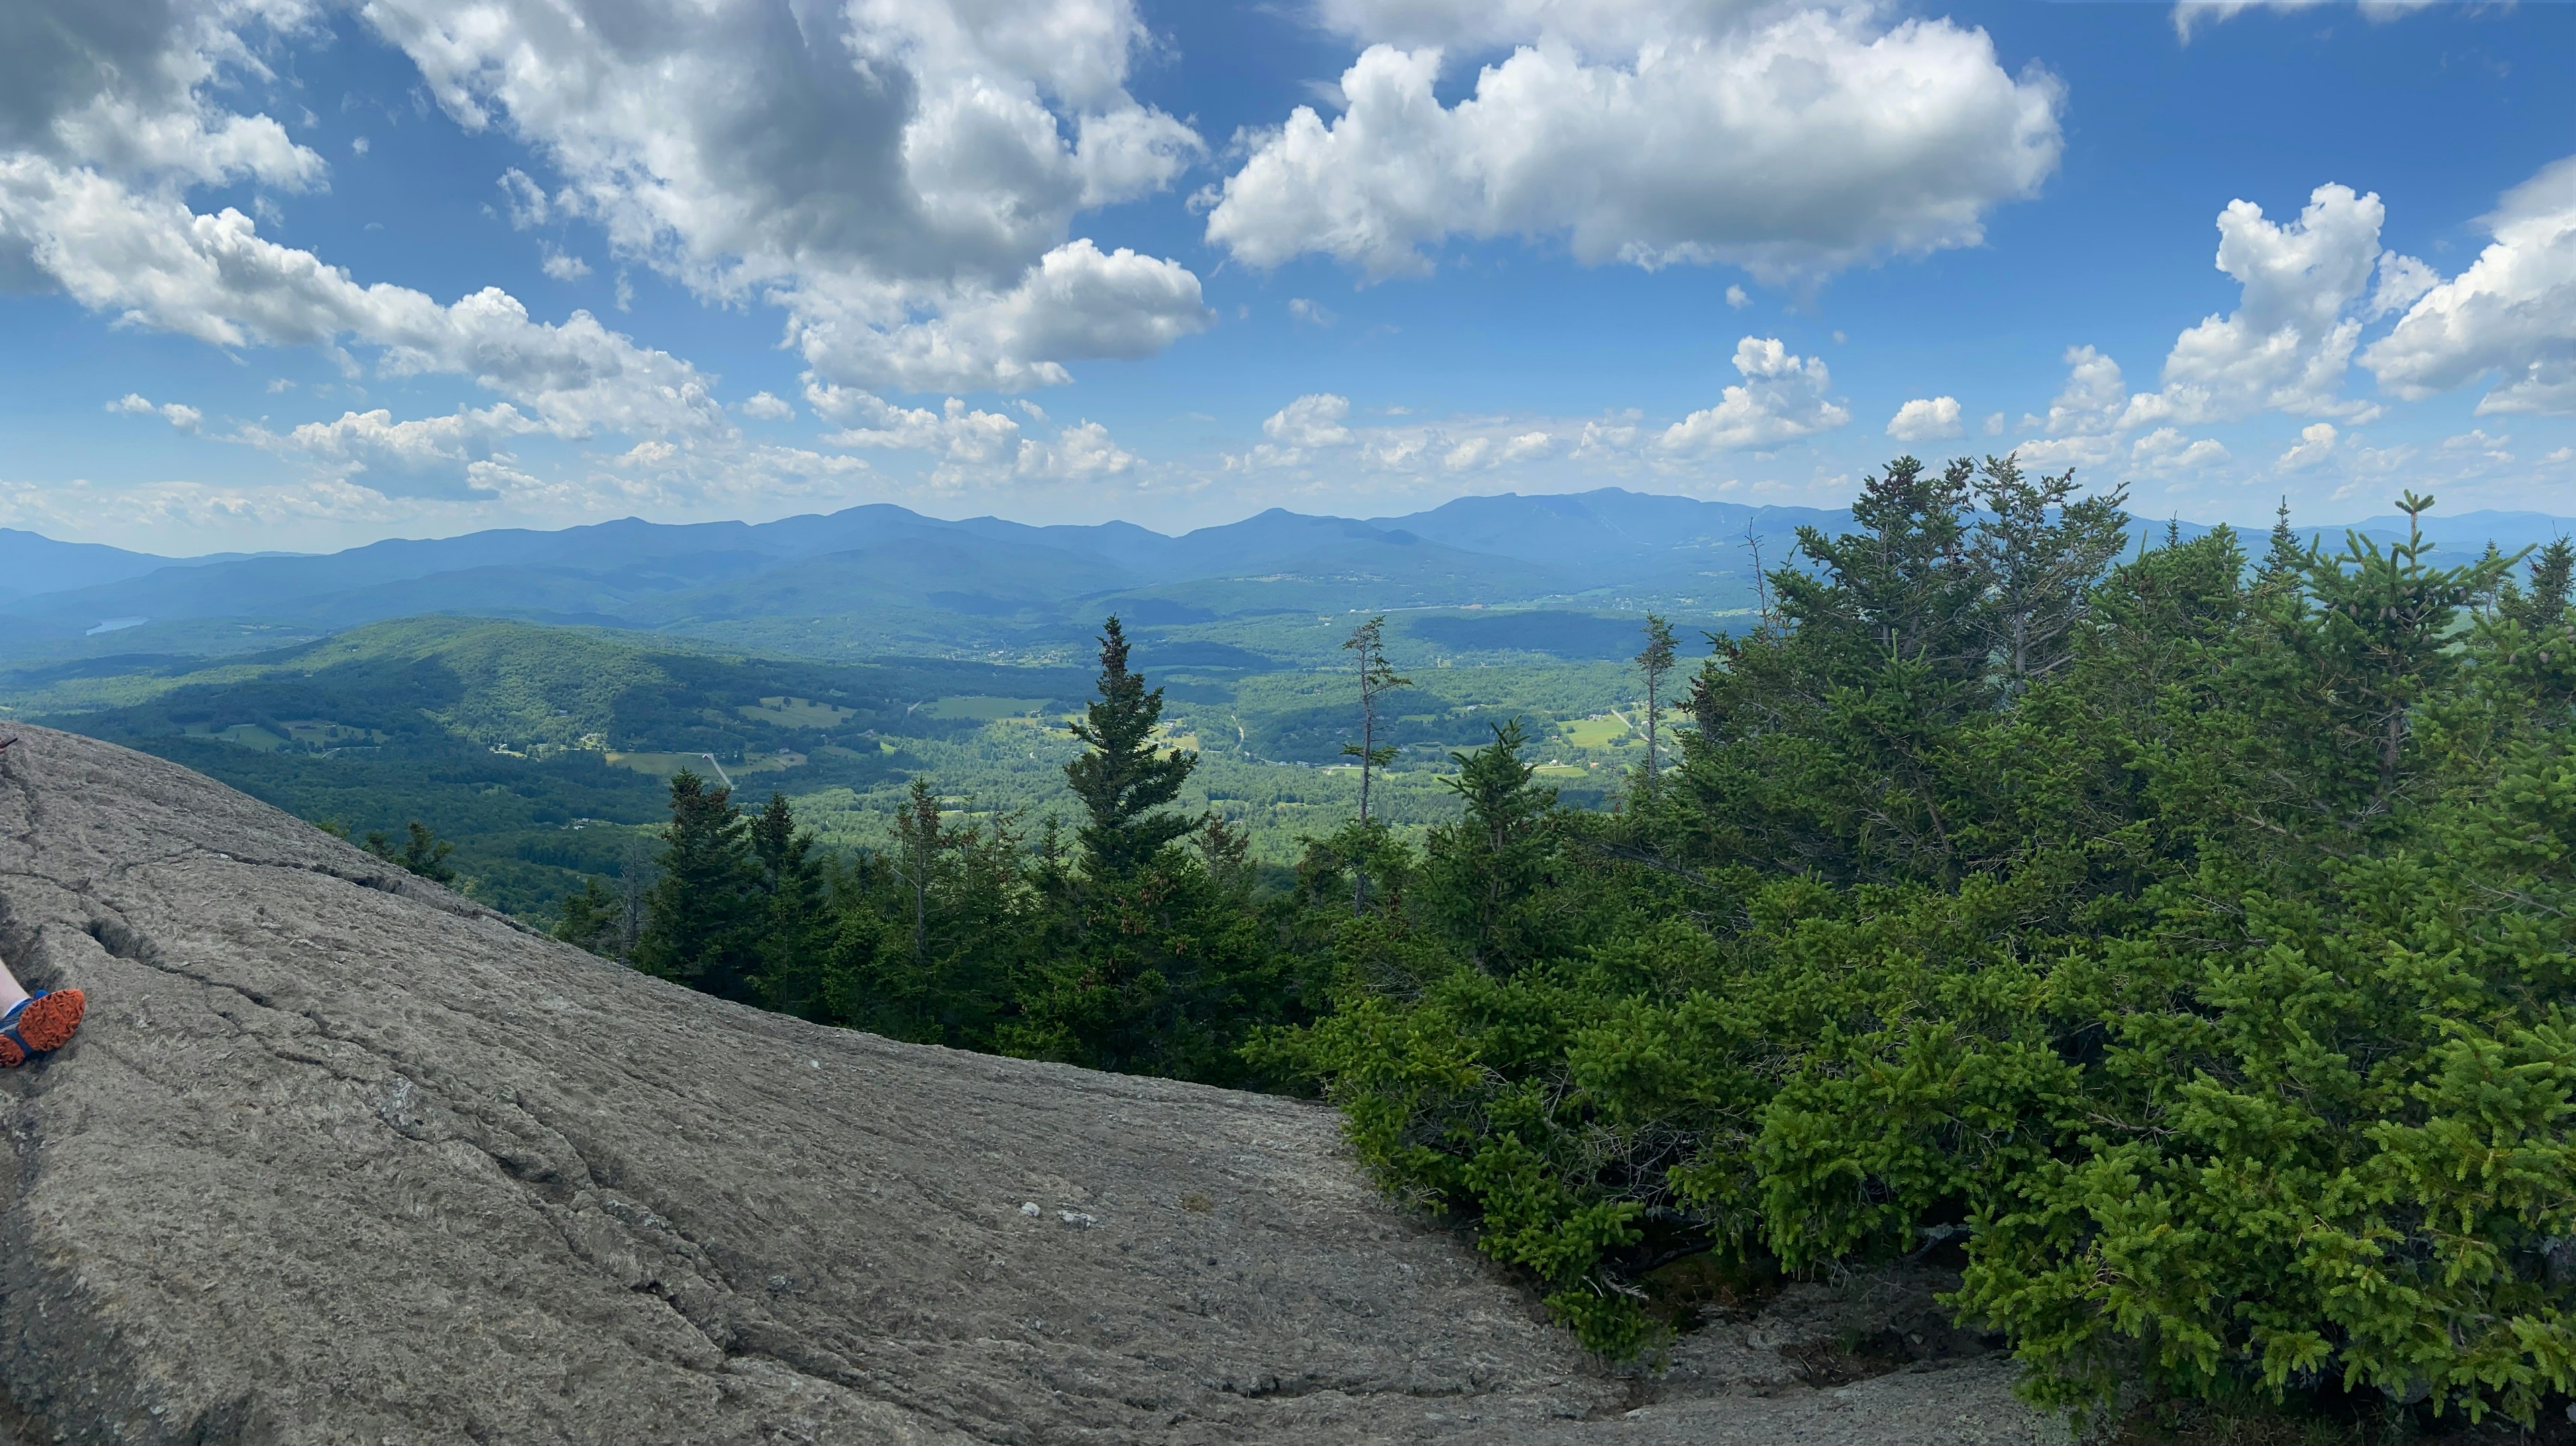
(703, 915)
(796, 927)
(1655, 663)
(1481, 870)
(919, 844)
(2546, 601)
(422, 852)
(589, 918)
(1907, 586)
(2041, 550)
(2286, 558)
(1121, 780)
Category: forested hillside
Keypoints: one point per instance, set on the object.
(2176, 938)
(541, 753)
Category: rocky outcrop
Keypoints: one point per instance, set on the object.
(340, 1156)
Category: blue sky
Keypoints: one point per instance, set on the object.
(291, 274)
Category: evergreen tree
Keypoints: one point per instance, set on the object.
(589, 919)
(2545, 603)
(1225, 851)
(1367, 646)
(1484, 868)
(1121, 780)
(2286, 558)
(797, 926)
(2041, 550)
(2337, 695)
(1653, 665)
(422, 852)
(1908, 587)
(921, 845)
(703, 915)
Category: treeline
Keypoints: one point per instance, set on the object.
(2181, 944)
(1137, 941)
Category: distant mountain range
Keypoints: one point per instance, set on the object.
(882, 578)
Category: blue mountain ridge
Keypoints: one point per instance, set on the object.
(1608, 548)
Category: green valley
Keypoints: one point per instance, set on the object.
(542, 752)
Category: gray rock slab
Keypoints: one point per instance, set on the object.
(340, 1156)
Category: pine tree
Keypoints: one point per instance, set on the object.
(2341, 698)
(1655, 663)
(1122, 781)
(702, 917)
(1225, 851)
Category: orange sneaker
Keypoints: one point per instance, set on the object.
(40, 1025)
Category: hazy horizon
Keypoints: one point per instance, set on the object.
(930, 513)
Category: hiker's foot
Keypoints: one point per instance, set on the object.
(42, 1025)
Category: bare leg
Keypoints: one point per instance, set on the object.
(11, 991)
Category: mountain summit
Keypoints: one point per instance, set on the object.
(341, 1156)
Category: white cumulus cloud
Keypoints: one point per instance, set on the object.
(968, 444)
(2287, 345)
(2316, 442)
(1925, 419)
(178, 414)
(955, 433)
(1082, 452)
(134, 89)
(1791, 143)
(900, 175)
(454, 456)
(1078, 301)
(1783, 398)
(764, 407)
(2093, 398)
(149, 260)
(1313, 420)
(2511, 315)
(2166, 450)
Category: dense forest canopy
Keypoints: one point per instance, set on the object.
(2178, 938)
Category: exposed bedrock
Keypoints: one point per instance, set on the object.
(340, 1156)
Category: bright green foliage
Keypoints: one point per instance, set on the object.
(2181, 941)
(2186, 941)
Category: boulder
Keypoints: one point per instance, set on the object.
(340, 1156)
